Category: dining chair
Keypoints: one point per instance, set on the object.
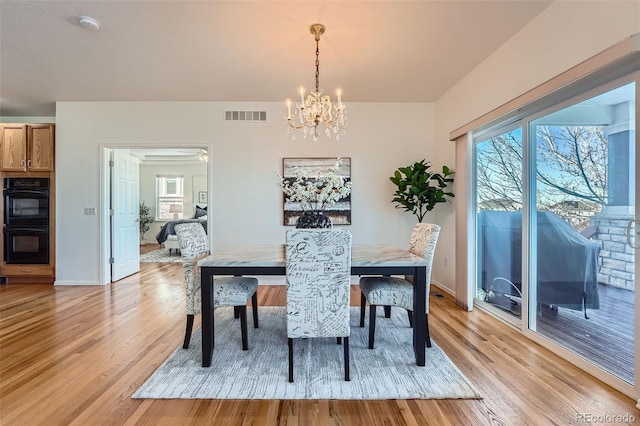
(227, 291)
(393, 291)
(318, 273)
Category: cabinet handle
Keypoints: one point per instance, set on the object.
(29, 164)
(27, 270)
(22, 164)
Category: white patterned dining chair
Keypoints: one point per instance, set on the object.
(227, 291)
(393, 291)
(318, 272)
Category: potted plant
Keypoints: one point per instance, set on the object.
(145, 219)
(419, 189)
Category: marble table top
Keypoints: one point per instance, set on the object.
(274, 255)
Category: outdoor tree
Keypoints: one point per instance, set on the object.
(571, 171)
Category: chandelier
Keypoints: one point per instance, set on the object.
(317, 109)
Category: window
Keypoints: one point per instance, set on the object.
(170, 196)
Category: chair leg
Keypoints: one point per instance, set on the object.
(410, 315)
(387, 311)
(254, 307)
(236, 312)
(363, 302)
(187, 333)
(428, 335)
(372, 324)
(290, 360)
(339, 340)
(243, 327)
(347, 376)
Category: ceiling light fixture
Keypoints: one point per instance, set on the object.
(317, 109)
(89, 23)
(202, 155)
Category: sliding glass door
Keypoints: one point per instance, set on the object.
(582, 286)
(557, 238)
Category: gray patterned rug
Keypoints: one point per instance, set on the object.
(386, 372)
(161, 256)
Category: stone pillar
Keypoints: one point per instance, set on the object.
(617, 266)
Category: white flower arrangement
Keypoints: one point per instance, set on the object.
(315, 192)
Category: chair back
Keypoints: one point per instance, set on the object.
(423, 243)
(318, 271)
(194, 245)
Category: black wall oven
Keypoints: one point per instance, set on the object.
(26, 220)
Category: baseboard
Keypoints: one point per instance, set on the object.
(58, 282)
(443, 288)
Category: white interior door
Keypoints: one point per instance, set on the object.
(125, 231)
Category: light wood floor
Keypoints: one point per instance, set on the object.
(74, 355)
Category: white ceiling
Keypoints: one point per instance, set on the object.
(377, 51)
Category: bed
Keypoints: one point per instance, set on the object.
(169, 227)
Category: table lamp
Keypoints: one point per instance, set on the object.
(175, 209)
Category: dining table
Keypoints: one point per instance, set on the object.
(263, 260)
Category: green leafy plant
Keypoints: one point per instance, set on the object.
(419, 190)
(145, 219)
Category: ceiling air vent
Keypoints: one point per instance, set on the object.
(245, 116)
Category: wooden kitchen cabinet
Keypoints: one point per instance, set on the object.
(27, 147)
(26, 153)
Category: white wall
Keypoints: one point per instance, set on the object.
(148, 174)
(245, 204)
(562, 36)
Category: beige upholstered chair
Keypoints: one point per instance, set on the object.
(318, 269)
(392, 291)
(227, 291)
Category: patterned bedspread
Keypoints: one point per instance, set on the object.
(168, 228)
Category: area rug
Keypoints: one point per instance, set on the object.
(161, 256)
(387, 372)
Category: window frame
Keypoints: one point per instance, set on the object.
(164, 198)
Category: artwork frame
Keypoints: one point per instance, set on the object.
(340, 213)
(202, 197)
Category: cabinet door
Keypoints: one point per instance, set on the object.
(14, 147)
(40, 148)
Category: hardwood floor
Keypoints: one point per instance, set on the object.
(74, 355)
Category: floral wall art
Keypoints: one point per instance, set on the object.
(331, 178)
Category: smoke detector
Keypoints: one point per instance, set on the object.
(89, 23)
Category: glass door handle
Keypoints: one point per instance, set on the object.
(631, 240)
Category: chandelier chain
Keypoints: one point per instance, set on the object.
(317, 65)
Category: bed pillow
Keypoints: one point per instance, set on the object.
(200, 212)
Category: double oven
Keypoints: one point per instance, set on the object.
(26, 220)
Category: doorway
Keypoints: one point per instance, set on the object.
(154, 165)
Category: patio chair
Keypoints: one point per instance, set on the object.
(392, 291)
(227, 291)
(318, 271)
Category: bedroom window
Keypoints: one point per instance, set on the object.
(170, 190)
